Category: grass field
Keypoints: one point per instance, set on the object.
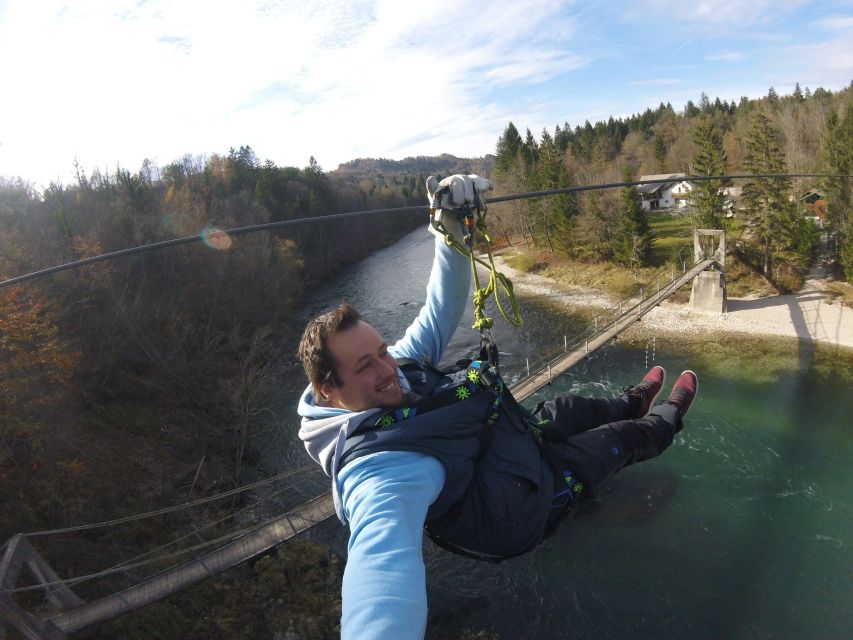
(673, 239)
(672, 249)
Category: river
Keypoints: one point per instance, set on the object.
(742, 529)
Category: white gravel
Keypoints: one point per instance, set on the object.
(806, 314)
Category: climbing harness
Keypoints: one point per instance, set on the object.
(473, 218)
(476, 376)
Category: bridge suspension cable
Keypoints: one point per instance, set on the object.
(178, 507)
(139, 561)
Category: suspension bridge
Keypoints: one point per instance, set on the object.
(67, 613)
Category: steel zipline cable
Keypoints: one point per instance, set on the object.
(354, 214)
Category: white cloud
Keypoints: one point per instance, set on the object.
(828, 64)
(114, 83)
(726, 56)
(834, 23)
(655, 81)
(712, 15)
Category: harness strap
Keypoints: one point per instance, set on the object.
(477, 379)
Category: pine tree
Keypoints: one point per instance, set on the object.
(707, 197)
(770, 215)
(773, 97)
(838, 159)
(529, 151)
(798, 93)
(632, 238)
(559, 211)
(598, 232)
(507, 149)
(660, 151)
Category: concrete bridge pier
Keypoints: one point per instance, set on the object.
(709, 287)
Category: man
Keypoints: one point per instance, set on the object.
(409, 447)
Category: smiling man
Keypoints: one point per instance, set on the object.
(411, 448)
(358, 373)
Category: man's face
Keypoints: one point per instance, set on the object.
(367, 372)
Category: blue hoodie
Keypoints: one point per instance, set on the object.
(385, 496)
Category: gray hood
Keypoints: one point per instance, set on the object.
(324, 431)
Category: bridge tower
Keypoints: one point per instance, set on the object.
(709, 287)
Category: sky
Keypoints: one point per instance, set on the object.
(110, 83)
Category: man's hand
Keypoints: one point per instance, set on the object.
(448, 198)
(455, 191)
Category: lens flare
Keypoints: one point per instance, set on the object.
(216, 238)
(170, 221)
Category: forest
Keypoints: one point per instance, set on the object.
(151, 372)
(805, 132)
(138, 367)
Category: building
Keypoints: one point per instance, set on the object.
(673, 192)
(814, 204)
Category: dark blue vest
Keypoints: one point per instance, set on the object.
(498, 489)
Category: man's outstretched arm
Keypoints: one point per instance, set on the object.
(386, 497)
(450, 279)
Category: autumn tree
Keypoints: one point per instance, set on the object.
(36, 369)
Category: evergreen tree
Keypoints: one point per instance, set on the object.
(770, 214)
(709, 159)
(773, 97)
(838, 159)
(508, 147)
(559, 211)
(660, 151)
(632, 238)
(529, 152)
(798, 93)
(598, 232)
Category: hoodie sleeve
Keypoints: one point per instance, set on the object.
(446, 296)
(386, 497)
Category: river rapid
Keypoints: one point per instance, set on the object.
(742, 529)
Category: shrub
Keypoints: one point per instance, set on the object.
(526, 263)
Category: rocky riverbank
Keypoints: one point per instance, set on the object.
(810, 314)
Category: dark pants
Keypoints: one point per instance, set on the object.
(589, 439)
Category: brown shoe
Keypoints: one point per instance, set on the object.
(642, 396)
(684, 392)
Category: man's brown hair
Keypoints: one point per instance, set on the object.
(313, 350)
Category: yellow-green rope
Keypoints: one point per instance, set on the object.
(481, 294)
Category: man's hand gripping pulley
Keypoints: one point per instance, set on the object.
(456, 208)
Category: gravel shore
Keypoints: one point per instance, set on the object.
(808, 314)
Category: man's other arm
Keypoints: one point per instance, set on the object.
(386, 497)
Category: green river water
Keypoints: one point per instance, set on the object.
(742, 529)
